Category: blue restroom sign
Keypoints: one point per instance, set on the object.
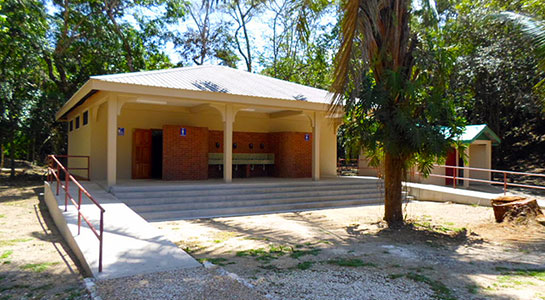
(307, 137)
(121, 131)
(183, 131)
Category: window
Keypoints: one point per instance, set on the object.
(77, 122)
(85, 118)
(71, 125)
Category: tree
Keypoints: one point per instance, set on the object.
(242, 13)
(392, 85)
(24, 31)
(209, 40)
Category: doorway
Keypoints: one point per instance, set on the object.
(156, 153)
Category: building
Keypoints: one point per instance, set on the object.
(479, 140)
(195, 123)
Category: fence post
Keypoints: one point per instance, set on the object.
(79, 211)
(101, 240)
(66, 189)
(454, 177)
(58, 178)
(504, 183)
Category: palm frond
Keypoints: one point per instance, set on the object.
(529, 27)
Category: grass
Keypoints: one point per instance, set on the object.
(220, 261)
(2, 216)
(6, 254)
(439, 228)
(12, 242)
(351, 262)
(472, 289)
(534, 273)
(38, 268)
(395, 276)
(441, 290)
(304, 265)
(298, 253)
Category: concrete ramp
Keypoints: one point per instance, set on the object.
(131, 245)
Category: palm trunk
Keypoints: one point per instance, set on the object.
(393, 171)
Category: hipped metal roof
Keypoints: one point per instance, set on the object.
(205, 79)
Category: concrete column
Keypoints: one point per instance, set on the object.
(228, 119)
(489, 158)
(316, 146)
(466, 172)
(111, 142)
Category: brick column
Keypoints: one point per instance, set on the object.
(228, 119)
(316, 124)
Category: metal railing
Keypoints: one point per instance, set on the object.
(54, 170)
(456, 177)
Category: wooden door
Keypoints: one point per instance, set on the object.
(141, 154)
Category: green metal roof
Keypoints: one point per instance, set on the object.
(479, 132)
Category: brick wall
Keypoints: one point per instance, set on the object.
(292, 153)
(243, 141)
(185, 157)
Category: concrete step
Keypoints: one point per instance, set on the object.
(124, 190)
(233, 192)
(190, 198)
(250, 210)
(248, 203)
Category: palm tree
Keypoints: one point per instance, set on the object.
(375, 63)
(531, 28)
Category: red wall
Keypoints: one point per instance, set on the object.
(185, 157)
(292, 154)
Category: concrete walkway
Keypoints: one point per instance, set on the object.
(430, 192)
(131, 245)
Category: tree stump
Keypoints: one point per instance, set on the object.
(517, 208)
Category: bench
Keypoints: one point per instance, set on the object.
(243, 158)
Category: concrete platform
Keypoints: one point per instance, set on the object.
(430, 192)
(131, 245)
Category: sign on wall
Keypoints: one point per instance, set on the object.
(307, 137)
(121, 131)
(183, 131)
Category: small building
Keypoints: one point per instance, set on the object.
(196, 123)
(479, 140)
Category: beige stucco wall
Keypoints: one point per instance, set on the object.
(480, 157)
(92, 139)
(79, 142)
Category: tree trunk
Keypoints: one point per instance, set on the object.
(12, 157)
(1, 156)
(393, 172)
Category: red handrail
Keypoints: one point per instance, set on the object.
(491, 171)
(54, 169)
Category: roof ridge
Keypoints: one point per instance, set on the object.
(147, 72)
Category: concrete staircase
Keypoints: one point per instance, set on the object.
(193, 201)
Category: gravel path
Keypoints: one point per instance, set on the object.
(187, 284)
(344, 284)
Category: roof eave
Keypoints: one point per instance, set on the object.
(80, 94)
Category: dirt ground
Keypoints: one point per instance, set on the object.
(457, 251)
(34, 261)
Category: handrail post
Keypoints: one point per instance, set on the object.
(101, 240)
(79, 211)
(454, 177)
(58, 179)
(66, 189)
(504, 183)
